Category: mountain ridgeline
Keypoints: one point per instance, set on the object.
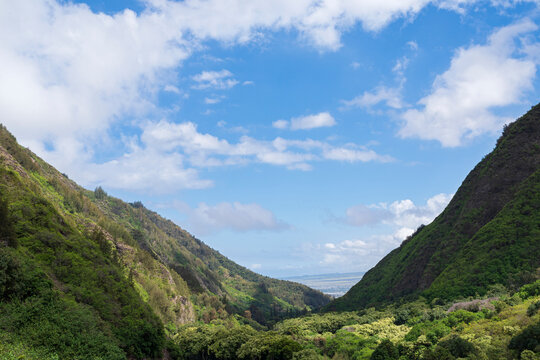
(488, 234)
(85, 275)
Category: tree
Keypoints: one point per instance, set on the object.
(386, 350)
(99, 193)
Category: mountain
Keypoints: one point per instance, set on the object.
(85, 275)
(488, 234)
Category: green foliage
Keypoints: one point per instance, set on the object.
(7, 232)
(18, 279)
(433, 331)
(321, 323)
(269, 345)
(530, 290)
(386, 350)
(462, 317)
(32, 313)
(99, 193)
(528, 339)
(457, 346)
(533, 308)
(435, 335)
(345, 344)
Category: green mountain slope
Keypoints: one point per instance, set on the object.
(488, 234)
(86, 275)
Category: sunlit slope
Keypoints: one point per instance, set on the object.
(91, 269)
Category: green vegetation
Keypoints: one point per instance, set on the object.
(84, 275)
(417, 330)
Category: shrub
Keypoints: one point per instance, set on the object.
(528, 339)
(457, 346)
(533, 308)
(386, 350)
(269, 345)
(530, 290)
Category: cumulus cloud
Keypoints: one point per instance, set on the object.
(219, 80)
(321, 23)
(480, 78)
(345, 251)
(206, 219)
(206, 150)
(400, 218)
(403, 214)
(323, 119)
(145, 170)
(75, 74)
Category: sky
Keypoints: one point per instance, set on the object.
(295, 137)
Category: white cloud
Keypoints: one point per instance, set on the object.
(280, 124)
(213, 100)
(323, 119)
(354, 154)
(400, 218)
(413, 45)
(219, 80)
(206, 150)
(480, 78)
(206, 219)
(172, 88)
(319, 22)
(74, 74)
(145, 170)
(342, 252)
(391, 97)
(401, 213)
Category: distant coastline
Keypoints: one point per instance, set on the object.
(335, 284)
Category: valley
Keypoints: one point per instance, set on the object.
(84, 275)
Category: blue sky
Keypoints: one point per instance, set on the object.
(299, 137)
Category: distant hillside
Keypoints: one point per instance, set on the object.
(85, 275)
(488, 234)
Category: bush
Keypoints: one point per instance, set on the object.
(269, 345)
(528, 339)
(386, 350)
(457, 346)
(533, 308)
(530, 290)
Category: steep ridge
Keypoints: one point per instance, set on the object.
(488, 234)
(91, 275)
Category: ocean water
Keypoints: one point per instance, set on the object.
(332, 284)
